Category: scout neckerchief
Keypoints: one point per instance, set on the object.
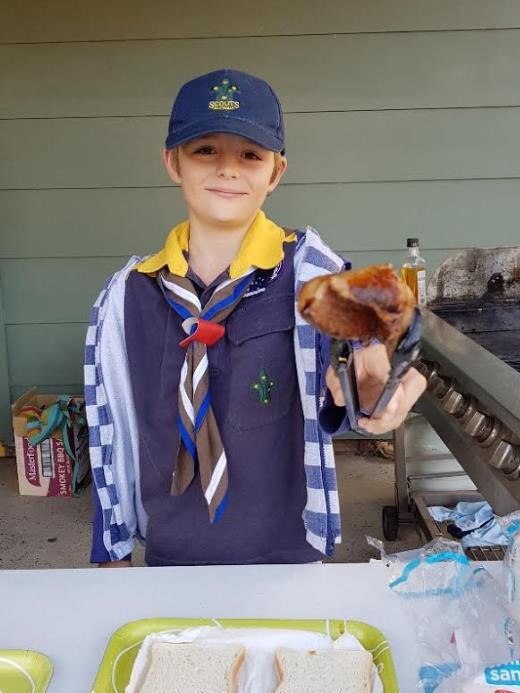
(200, 442)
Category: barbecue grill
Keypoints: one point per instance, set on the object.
(471, 359)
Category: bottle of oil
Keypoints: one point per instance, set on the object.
(413, 271)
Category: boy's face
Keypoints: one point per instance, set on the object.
(224, 178)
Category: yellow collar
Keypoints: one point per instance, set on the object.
(262, 247)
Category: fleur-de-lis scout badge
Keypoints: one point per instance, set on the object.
(225, 94)
(264, 387)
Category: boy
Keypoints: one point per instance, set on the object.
(203, 383)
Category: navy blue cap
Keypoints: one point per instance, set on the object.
(227, 101)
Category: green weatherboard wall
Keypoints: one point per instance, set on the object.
(402, 119)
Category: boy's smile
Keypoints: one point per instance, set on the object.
(225, 178)
(226, 193)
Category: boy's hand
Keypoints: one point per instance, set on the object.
(372, 368)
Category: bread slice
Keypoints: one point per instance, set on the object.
(192, 668)
(326, 671)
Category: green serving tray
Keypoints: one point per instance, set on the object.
(116, 666)
(24, 671)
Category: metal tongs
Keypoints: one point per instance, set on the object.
(403, 358)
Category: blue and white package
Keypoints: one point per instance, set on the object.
(510, 525)
(463, 626)
(502, 678)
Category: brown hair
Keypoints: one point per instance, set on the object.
(277, 161)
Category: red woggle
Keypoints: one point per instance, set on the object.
(207, 332)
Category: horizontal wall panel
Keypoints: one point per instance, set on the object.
(61, 389)
(324, 147)
(68, 223)
(45, 353)
(67, 288)
(363, 216)
(64, 21)
(5, 412)
(424, 70)
(47, 291)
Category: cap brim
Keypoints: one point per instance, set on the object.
(231, 125)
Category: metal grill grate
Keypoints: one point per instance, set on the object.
(486, 553)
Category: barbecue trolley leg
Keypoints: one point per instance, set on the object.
(400, 513)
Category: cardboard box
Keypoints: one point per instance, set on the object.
(46, 469)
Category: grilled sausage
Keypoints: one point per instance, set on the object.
(362, 304)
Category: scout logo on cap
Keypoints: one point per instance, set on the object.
(224, 94)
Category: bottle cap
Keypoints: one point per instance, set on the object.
(412, 242)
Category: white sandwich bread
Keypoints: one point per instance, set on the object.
(190, 668)
(326, 671)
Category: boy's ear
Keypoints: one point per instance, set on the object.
(171, 168)
(282, 168)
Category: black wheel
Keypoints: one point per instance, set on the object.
(390, 522)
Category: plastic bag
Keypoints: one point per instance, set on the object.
(510, 525)
(463, 625)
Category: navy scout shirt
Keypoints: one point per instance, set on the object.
(264, 440)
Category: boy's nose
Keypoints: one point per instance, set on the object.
(227, 166)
